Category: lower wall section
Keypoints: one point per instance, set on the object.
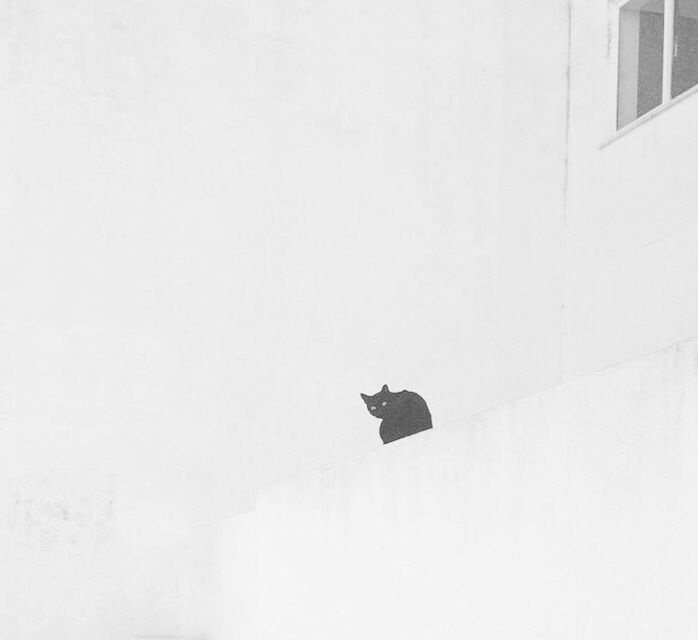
(570, 514)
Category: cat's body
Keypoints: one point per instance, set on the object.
(402, 413)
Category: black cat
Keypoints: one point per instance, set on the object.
(403, 413)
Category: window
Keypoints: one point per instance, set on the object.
(658, 54)
(685, 71)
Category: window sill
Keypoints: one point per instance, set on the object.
(650, 115)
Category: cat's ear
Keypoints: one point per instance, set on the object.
(364, 397)
(385, 389)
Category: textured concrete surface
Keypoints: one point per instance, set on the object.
(572, 513)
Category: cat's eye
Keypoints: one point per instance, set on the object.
(383, 403)
(373, 408)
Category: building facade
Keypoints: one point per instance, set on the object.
(228, 218)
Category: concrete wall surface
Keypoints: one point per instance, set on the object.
(80, 561)
(226, 218)
(572, 513)
(220, 221)
(631, 224)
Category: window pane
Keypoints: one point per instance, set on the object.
(685, 72)
(640, 58)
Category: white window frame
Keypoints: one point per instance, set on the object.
(667, 69)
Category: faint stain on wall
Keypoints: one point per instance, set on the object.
(57, 512)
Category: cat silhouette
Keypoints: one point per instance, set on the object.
(402, 413)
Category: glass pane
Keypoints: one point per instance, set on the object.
(640, 58)
(685, 72)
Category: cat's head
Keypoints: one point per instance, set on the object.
(378, 405)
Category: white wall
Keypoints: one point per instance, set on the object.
(221, 221)
(224, 219)
(572, 513)
(77, 562)
(631, 269)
